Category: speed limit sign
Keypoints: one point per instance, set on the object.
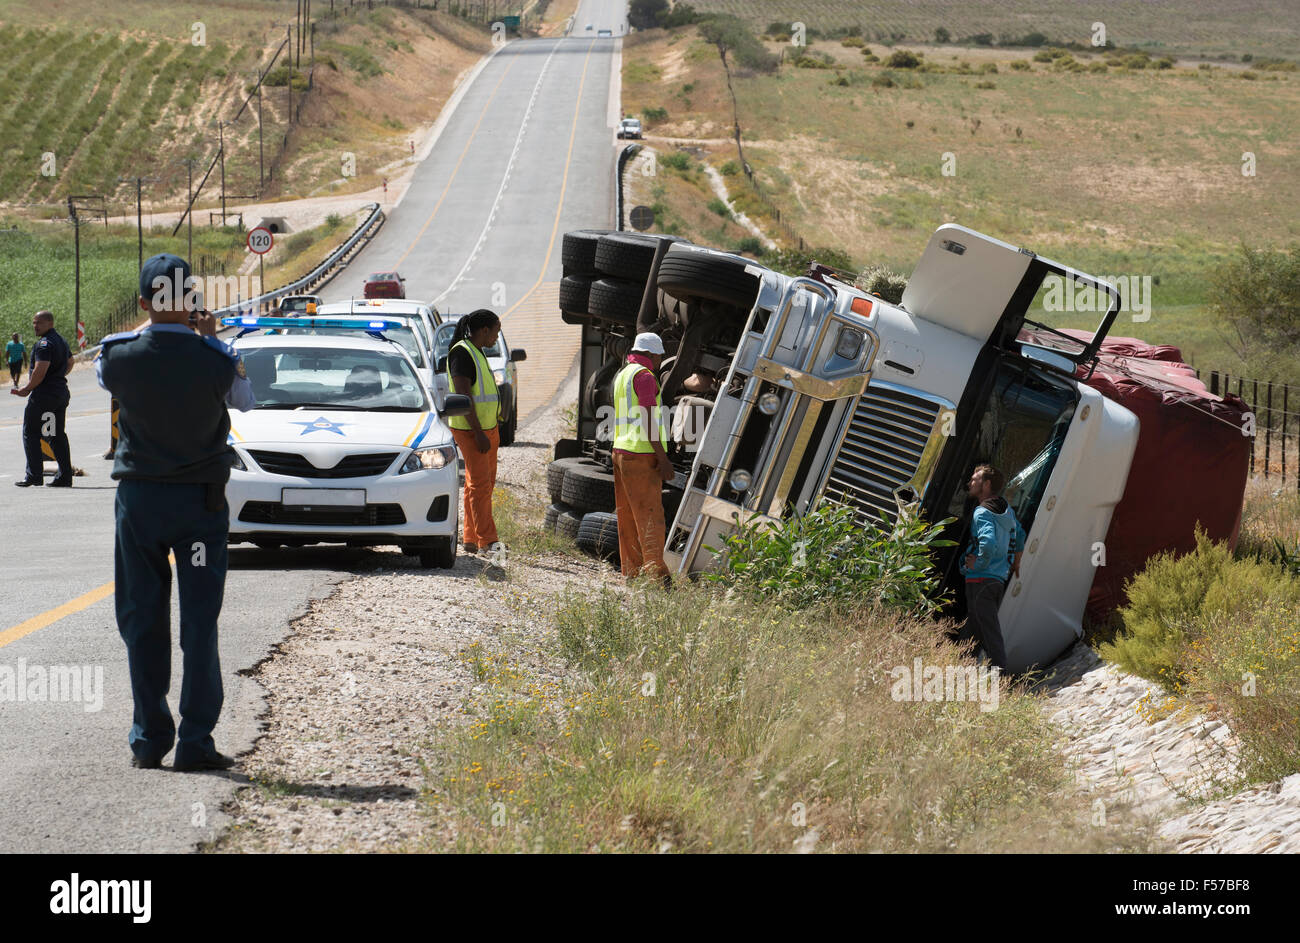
(260, 240)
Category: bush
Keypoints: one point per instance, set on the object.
(1163, 63)
(877, 280)
(1098, 66)
(902, 59)
(333, 220)
(883, 80)
(941, 35)
(1020, 65)
(751, 245)
(720, 208)
(989, 68)
(729, 168)
(1175, 603)
(869, 56)
(1258, 294)
(853, 42)
(653, 115)
(677, 160)
(796, 261)
(985, 85)
(826, 555)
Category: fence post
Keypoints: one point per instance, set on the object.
(1214, 382)
(1254, 411)
(1285, 388)
(1268, 431)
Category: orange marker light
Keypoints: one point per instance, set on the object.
(862, 306)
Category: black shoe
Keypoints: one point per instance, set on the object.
(28, 483)
(213, 761)
(61, 482)
(140, 762)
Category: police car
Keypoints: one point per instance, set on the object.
(420, 319)
(346, 444)
(501, 357)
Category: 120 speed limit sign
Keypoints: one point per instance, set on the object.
(260, 240)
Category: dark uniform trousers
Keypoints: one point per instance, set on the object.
(155, 518)
(39, 406)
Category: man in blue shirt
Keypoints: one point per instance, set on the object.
(16, 355)
(47, 409)
(172, 382)
(992, 557)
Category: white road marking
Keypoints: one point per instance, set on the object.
(505, 180)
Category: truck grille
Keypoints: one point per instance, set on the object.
(350, 466)
(881, 451)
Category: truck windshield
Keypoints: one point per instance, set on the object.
(1022, 428)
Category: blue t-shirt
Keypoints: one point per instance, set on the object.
(15, 352)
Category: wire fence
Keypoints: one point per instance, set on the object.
(1275, 410)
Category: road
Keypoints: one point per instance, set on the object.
(527, 154)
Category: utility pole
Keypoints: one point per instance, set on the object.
(76, 271)
(189, 215)
(221, 152)
(289, 32)
(261, 174)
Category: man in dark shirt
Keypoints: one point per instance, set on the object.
(172, 463)
(47, 406)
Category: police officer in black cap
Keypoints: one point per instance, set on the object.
(172, 381)
(47, 408)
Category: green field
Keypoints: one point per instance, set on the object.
(1121, 172)
(1222, 27)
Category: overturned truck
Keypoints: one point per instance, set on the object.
(786, 390)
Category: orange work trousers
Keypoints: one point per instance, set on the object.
(480, 480)
(638, 498)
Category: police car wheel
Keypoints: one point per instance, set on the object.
(589, 488)
(438, 554)
(578, 251)
(598, 534)
(508, 428)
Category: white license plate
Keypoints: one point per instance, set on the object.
(323, 497)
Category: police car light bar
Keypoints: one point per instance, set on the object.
(353, 324)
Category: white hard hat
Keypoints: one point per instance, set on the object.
(648, 343)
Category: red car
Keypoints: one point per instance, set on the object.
(384, 285)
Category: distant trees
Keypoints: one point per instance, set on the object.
(1257, 295)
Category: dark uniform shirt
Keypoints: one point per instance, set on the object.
(172, 387)
(52, 349)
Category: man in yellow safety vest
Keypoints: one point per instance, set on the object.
(477, 434)
(641, 463)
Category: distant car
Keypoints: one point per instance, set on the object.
(589, 26)
(501, 358)
(629, 128)
(291, 305)
(384, 285)
(604, 32)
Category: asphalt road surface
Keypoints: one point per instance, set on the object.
(527, 154)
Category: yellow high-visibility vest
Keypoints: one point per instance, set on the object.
(631, 425)
(483, 391)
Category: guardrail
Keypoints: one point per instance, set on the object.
(626, 154)
(317, 277)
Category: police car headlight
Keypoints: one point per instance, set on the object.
(500, 375)
(236, 462)
(439, 456)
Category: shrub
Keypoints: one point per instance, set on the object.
(1248, 76)
(796, 261)
(985, 85)
(853, 42)
(729, 168)
(1020, 65)
(839, 81)
(1176, 602)
(877, 280)
(751, 245)
(1258, 293)
(333, 220)
(652, 115)
(1163, 63)
(883, 80)
(989, 68)
(720, 208)
(1098, 66)
(869, 56)
(903, 59)
(941, 35)
(677, 160)
(826, 555)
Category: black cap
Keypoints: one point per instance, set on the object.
(172, 268)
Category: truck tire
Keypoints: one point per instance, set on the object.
(628, 254)
(694, 272)
(598, 534)
(615, 299)
(567, 523)
(575, 291)
(578, 251)
(552, 517)
(555, 474)
(588, 488)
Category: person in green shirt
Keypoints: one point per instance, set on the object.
(16, 355)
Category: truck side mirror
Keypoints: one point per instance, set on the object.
(518, 354)
(442, 364)
(457, 404)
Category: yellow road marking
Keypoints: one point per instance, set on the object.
(564, 185)
(84, 601)
(455, 170)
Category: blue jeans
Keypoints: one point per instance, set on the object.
(154, 519)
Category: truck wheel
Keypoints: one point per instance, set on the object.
(552, 517)
(578, 251)
(598, 534)
(694, 272)
(615, 299)
(588, 488)
(575, 290)
(567, 523)
(629, 254)
(555, 474)
(439, 553)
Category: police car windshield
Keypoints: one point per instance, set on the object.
(332, 377)
(404, 335)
